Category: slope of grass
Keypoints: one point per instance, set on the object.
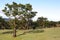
(44, 34)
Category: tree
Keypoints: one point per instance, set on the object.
(3, 23)
(41, 21)
(19, 11)
(34, 25)
(52, 24)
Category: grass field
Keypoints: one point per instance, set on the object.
(38, 34)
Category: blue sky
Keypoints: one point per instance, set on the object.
(45, 8)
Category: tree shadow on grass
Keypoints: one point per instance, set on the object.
(24, 33)
(31, 31)
(7, 32)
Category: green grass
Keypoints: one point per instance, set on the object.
(44, 34)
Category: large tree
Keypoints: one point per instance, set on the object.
(19, 11)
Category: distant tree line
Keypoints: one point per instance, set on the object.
(23, 24)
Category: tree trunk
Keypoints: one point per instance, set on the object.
(14, 33)
(14, 30)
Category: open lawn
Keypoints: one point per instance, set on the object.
(38, 34)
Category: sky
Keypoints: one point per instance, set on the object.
(46, 8)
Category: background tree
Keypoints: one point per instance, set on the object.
(1, 23)
(41, 21)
